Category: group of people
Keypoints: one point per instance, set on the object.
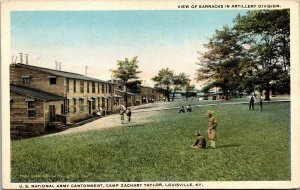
(211, 132)
(188, 109)
(251, 103)
(124, 111)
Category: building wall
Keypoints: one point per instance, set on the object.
(38, 80)
(100, 96)
(19, 114)
(57, 105)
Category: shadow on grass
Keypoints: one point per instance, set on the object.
(229, 145)
(134, 124)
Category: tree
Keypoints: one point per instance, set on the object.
(221, 65)
(267, 33)
(164, 80)
(179, 82)
(127, 70)
(189, 87)
(134, 86)
(252, 55)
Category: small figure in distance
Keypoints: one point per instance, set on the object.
(182, 110)
(189, 108)
(122, 112)
(128, 113)
(251, 103)
(261, 103)
(200, 141)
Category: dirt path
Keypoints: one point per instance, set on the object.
(138, 117)
(140, 114)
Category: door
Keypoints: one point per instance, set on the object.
(52, 113)
(90, 107)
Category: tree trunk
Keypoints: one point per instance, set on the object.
(126, 97)
(267, 95)
(173, 95)
(168, 93)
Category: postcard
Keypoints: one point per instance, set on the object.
(150, 94)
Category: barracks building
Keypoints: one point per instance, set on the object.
(42, 97)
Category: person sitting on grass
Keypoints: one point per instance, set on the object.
(200, 141)
(189, 108)
(182, 110)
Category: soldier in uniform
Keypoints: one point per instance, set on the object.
(212, 126)
(200, 141)
(251, 103)
(122, 112)
(128, 113)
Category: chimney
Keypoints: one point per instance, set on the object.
(86, 70)
(16, 59)
(55, 65)
(26, 59)
(60, 66)
(21, 58)
(12, 59)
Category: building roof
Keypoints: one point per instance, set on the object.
(62, 73)
(42, 95)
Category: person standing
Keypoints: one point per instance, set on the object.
(251, 103)
(212, 127)
(128, 113)
(122, 112)
(261, 103)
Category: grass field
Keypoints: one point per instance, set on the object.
(252, 145)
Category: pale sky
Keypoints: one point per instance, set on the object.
(98, 39)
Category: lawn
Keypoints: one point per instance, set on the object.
(252, 145)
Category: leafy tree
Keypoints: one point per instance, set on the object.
(252, 55)
(164, 80)
(267, 33)
(127, 71)
(221, 65)
(179, 81)
(134, 86)
(189, 87)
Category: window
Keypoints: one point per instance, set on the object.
(74, 86)
(67, 85)
(106, 91)
(98, 88)
(93, 87)
(26, 80)
(102, 88)
(81, 86)
(88, 87)
(74, 105)
(81, 104)
(109, 88)
(52, 80)
(31, 113)
(62, 109)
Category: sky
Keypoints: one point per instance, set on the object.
(97, 39)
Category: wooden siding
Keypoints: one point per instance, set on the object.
(19, 114)
(38, 80)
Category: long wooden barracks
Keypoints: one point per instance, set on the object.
(42, 97)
